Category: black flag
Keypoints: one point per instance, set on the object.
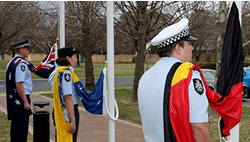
(230, 85)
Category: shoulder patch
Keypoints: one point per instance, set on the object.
(198, 86)
(67, 77)
(23, 68)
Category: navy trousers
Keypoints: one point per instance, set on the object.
(19, 128)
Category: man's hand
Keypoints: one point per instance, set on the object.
(26, 106)
(20, 91)
(72, 128)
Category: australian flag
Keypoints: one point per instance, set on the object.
(46, 66)
(14, 102)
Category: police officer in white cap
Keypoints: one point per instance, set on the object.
(174, 44)
(19, 87)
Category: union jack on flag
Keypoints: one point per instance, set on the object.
(45, 67)
(49, 61)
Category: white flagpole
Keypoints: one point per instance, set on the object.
(62, 24)
(56, 55)
(239, 5)
(110, 57)
(235, 131)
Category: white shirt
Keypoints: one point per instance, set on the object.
(150, 98)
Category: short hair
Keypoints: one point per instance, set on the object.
(62, 61)
(168, 51)
(17, 50)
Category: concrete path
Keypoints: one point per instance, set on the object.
(93, 128)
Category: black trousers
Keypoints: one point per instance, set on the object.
(77, 122)
(19, 128)
(76, 111)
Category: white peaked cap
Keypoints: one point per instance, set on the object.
(171, 34)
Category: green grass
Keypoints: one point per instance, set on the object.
(244, 125)
(128, 110)
(121, 69)
(5, 129)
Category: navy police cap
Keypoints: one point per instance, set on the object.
(21, 44)
(172, 34)
(66, 51)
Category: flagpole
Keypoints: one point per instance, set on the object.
(235, 131)
(239, 5)
(110, 57)
(62, 24)
(56, 55)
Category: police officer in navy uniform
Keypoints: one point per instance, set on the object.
(174, 44)
(18, 93)
(67, 57)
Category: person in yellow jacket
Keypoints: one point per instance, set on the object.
(66, 99)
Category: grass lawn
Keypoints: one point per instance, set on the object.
(121, 69)
(5, 129)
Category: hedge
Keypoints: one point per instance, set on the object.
(212, 65)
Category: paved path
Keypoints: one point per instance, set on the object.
(93, 128)
(246, 102)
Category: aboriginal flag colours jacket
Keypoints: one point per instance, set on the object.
(227, 102)
(176, 105)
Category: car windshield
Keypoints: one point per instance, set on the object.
(208, 75)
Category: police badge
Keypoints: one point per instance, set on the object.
(23, 68)
(198, 86)
(67, 77)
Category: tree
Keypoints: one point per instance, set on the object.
(246, 27)
(45, 32)
(16, 19)
(86, 32)
(221, 25)
(203, 26)
(148, 18)
(139, 68)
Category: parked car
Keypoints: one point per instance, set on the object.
(209, 76)
(246, 80)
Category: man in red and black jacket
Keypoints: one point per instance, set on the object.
(173, 96)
